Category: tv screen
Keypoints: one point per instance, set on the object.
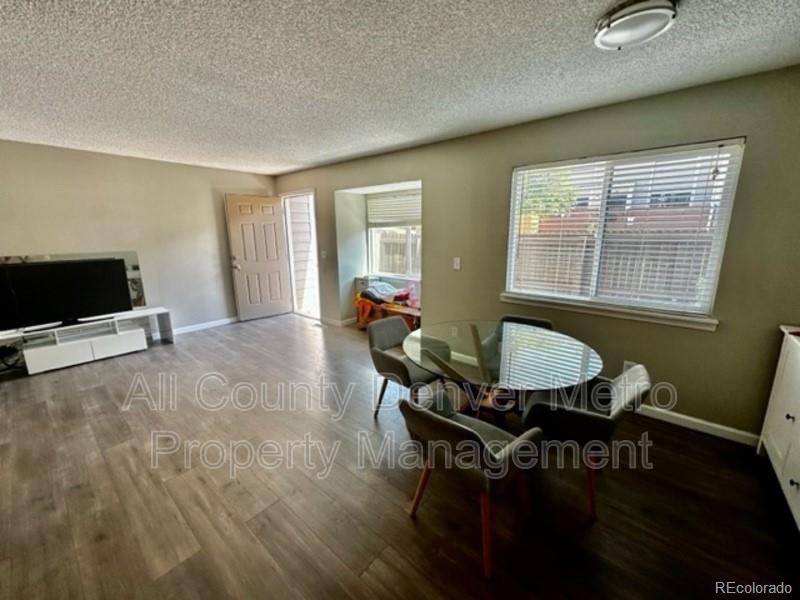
(61, 291)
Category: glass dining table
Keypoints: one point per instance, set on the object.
(514, 356)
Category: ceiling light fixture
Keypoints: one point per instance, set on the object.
(634, 22)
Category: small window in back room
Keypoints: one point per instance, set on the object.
(394, 233)
(643, 230)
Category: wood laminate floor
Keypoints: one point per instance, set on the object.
(84, 512)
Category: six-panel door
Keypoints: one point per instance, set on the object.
(259, 255)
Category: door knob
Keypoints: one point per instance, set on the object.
(794, 484)
(790, 417)
(237, 267)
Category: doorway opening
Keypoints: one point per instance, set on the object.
(301, 234)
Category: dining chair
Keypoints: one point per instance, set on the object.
(491, 343)
(524, 320)
(487, 354)
(488, 349)
(496, 456)
(386, 349)
(595, 415)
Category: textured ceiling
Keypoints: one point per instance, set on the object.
(274, 86)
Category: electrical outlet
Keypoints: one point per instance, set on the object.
(456, 263)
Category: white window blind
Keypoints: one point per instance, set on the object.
(644, 230)
(394, 208)
(394, 237)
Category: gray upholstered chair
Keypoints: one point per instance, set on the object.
(493, 456)
(593, 416)
(386, 349)
(522, 319)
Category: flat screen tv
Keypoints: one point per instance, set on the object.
(61, 292)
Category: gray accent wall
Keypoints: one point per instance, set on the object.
(58, 201)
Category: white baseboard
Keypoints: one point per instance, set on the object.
(723, 431)
(338, 323)
(206, 325)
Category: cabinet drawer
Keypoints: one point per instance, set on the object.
(46, 358)
(790, 480)
(114, 345)
(784, 412)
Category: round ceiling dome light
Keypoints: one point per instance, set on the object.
(633, 23)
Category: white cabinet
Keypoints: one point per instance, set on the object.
(121, 343)
(48, 357)
(790, 481)
(91, 339)
(780, 436)
(81, 345)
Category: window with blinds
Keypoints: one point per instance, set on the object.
(644, 230)
(394, 233)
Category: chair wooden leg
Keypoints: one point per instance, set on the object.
(380, 397)
(486, 534)
(591, 480)
(423, 481)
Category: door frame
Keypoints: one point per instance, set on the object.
(284, 196)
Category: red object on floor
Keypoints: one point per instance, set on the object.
(368, 311)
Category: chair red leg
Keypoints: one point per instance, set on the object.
(423, 481)
(591, 476)
(486, 534)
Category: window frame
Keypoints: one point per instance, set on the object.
(408, 275)
(590, 305)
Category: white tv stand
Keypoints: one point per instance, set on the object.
(90, 339)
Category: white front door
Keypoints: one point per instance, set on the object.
(259, 255)
(302, 230)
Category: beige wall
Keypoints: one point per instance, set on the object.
(721, 376)
(54, 200)
(351, 248)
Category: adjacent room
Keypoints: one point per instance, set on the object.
(234, 364)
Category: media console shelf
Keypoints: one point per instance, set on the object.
(90, 339)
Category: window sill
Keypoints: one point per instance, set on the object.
(392, 276)
(619, 312)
